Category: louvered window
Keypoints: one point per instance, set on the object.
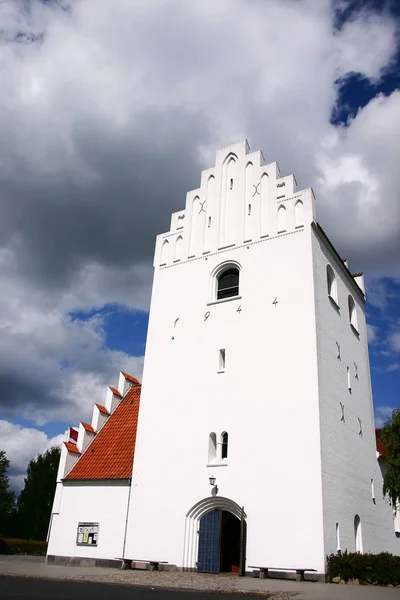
(228, 284)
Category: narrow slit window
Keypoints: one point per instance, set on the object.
(337, 537)
(358, 534)
(355, 371)
(373, 491)
(209, 221)
(249, 210)
(224, 440)
(231, 185)
(396, 517)
(221, 362)
(348, 379)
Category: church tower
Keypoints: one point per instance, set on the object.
(256, 379)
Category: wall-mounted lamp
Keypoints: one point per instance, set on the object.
(212, 481)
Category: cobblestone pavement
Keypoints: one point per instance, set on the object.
(268, 588)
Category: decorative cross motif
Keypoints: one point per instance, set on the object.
(256, 189)
(202, 209)
(360, 431)
(338, 350)
(342, 409)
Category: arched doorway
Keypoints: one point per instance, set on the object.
(220, 524)
(221, 542)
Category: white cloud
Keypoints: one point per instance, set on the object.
(394, 341)
(365, 45)
(372, 332)
(22, 445)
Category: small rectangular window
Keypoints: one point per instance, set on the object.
(221, 362)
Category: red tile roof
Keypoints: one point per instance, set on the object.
(130, 378)
(71, 447)
(88, 427)
(102, 409)
(110, 454)
(115, 391)
(380, 447)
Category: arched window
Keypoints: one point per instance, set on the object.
(331, 283)
(228, 283)
(353, 313)
(358, 534)
(212, 448)
(224, 441)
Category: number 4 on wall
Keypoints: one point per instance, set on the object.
(239, 310)
(275, 302)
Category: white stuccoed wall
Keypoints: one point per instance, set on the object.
(105, 503)
(348, 459)
(267, 399)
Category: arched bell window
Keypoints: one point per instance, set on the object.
(228, 283)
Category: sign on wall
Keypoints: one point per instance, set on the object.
(87, 534)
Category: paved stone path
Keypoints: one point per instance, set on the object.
(27, 566)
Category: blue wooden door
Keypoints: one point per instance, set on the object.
(209, 539)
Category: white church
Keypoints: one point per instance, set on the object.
(254, 446)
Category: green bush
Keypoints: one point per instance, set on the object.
(32, 547)
(382, 569)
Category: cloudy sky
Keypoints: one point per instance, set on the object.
(109, 109)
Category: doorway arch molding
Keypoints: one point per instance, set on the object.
(193, 516)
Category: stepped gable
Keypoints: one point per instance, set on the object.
(110, 454)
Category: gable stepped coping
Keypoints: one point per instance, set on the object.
(79, 439)
(85, 435)
(109, 457)
(125, 382)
